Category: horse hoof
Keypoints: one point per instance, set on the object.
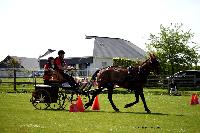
(86, 105)
(148, 111)
(116, 110)
(126, 106)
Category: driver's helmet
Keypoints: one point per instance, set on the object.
(61, 52)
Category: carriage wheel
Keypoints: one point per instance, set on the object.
(58, 102)
(42, 99)
(64, 100)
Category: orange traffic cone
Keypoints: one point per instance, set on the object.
(80, 105)
(95, 105)
(73, 108)
(194, 99)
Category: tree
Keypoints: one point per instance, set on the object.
(172, 48)
(10, 62)
(14, 63)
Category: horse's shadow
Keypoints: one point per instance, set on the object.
(153, 113)
(142, 113)
(120, 112)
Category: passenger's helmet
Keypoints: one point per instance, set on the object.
(50, 58)
(61, 52)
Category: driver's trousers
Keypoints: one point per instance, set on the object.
(70, 80)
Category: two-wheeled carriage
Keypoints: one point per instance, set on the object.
(57, 95)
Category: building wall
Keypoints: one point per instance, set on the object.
(99, 62)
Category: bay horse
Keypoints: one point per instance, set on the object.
(133, 78)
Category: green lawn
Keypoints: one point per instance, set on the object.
(169, 114)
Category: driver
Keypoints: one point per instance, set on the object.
(60, 66)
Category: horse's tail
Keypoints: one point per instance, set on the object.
(95, 75)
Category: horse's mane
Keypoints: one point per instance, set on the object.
(133, 66)
(144, 62)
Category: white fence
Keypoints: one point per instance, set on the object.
(20, 72)
(152, 81)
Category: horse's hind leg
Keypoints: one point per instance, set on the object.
(144, 102)
(110, 92)
(136, 100)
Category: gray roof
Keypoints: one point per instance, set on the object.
(22, 62)
(116, 47)
(28, 63)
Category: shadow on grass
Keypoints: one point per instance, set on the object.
(103, 111)
(141, 113)
(148, 113)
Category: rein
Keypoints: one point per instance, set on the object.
(143, 65)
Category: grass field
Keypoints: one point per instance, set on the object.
(169, 114)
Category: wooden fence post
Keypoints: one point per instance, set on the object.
(15, 88)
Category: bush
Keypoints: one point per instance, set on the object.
(123, 62)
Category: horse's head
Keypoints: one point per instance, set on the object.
(154, 64)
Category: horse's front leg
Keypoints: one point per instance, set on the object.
(110, 92)
(144, 102)
(136, 100)
(98, 91)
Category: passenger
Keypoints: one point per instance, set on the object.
(173, 88)
(60, 66)
(48, 70)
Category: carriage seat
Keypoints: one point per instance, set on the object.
(65, 85)
(41, 86)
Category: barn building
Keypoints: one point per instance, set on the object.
(105, 49)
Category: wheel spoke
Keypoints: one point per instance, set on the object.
(41, 102)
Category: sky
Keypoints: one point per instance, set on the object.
(29, 27)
